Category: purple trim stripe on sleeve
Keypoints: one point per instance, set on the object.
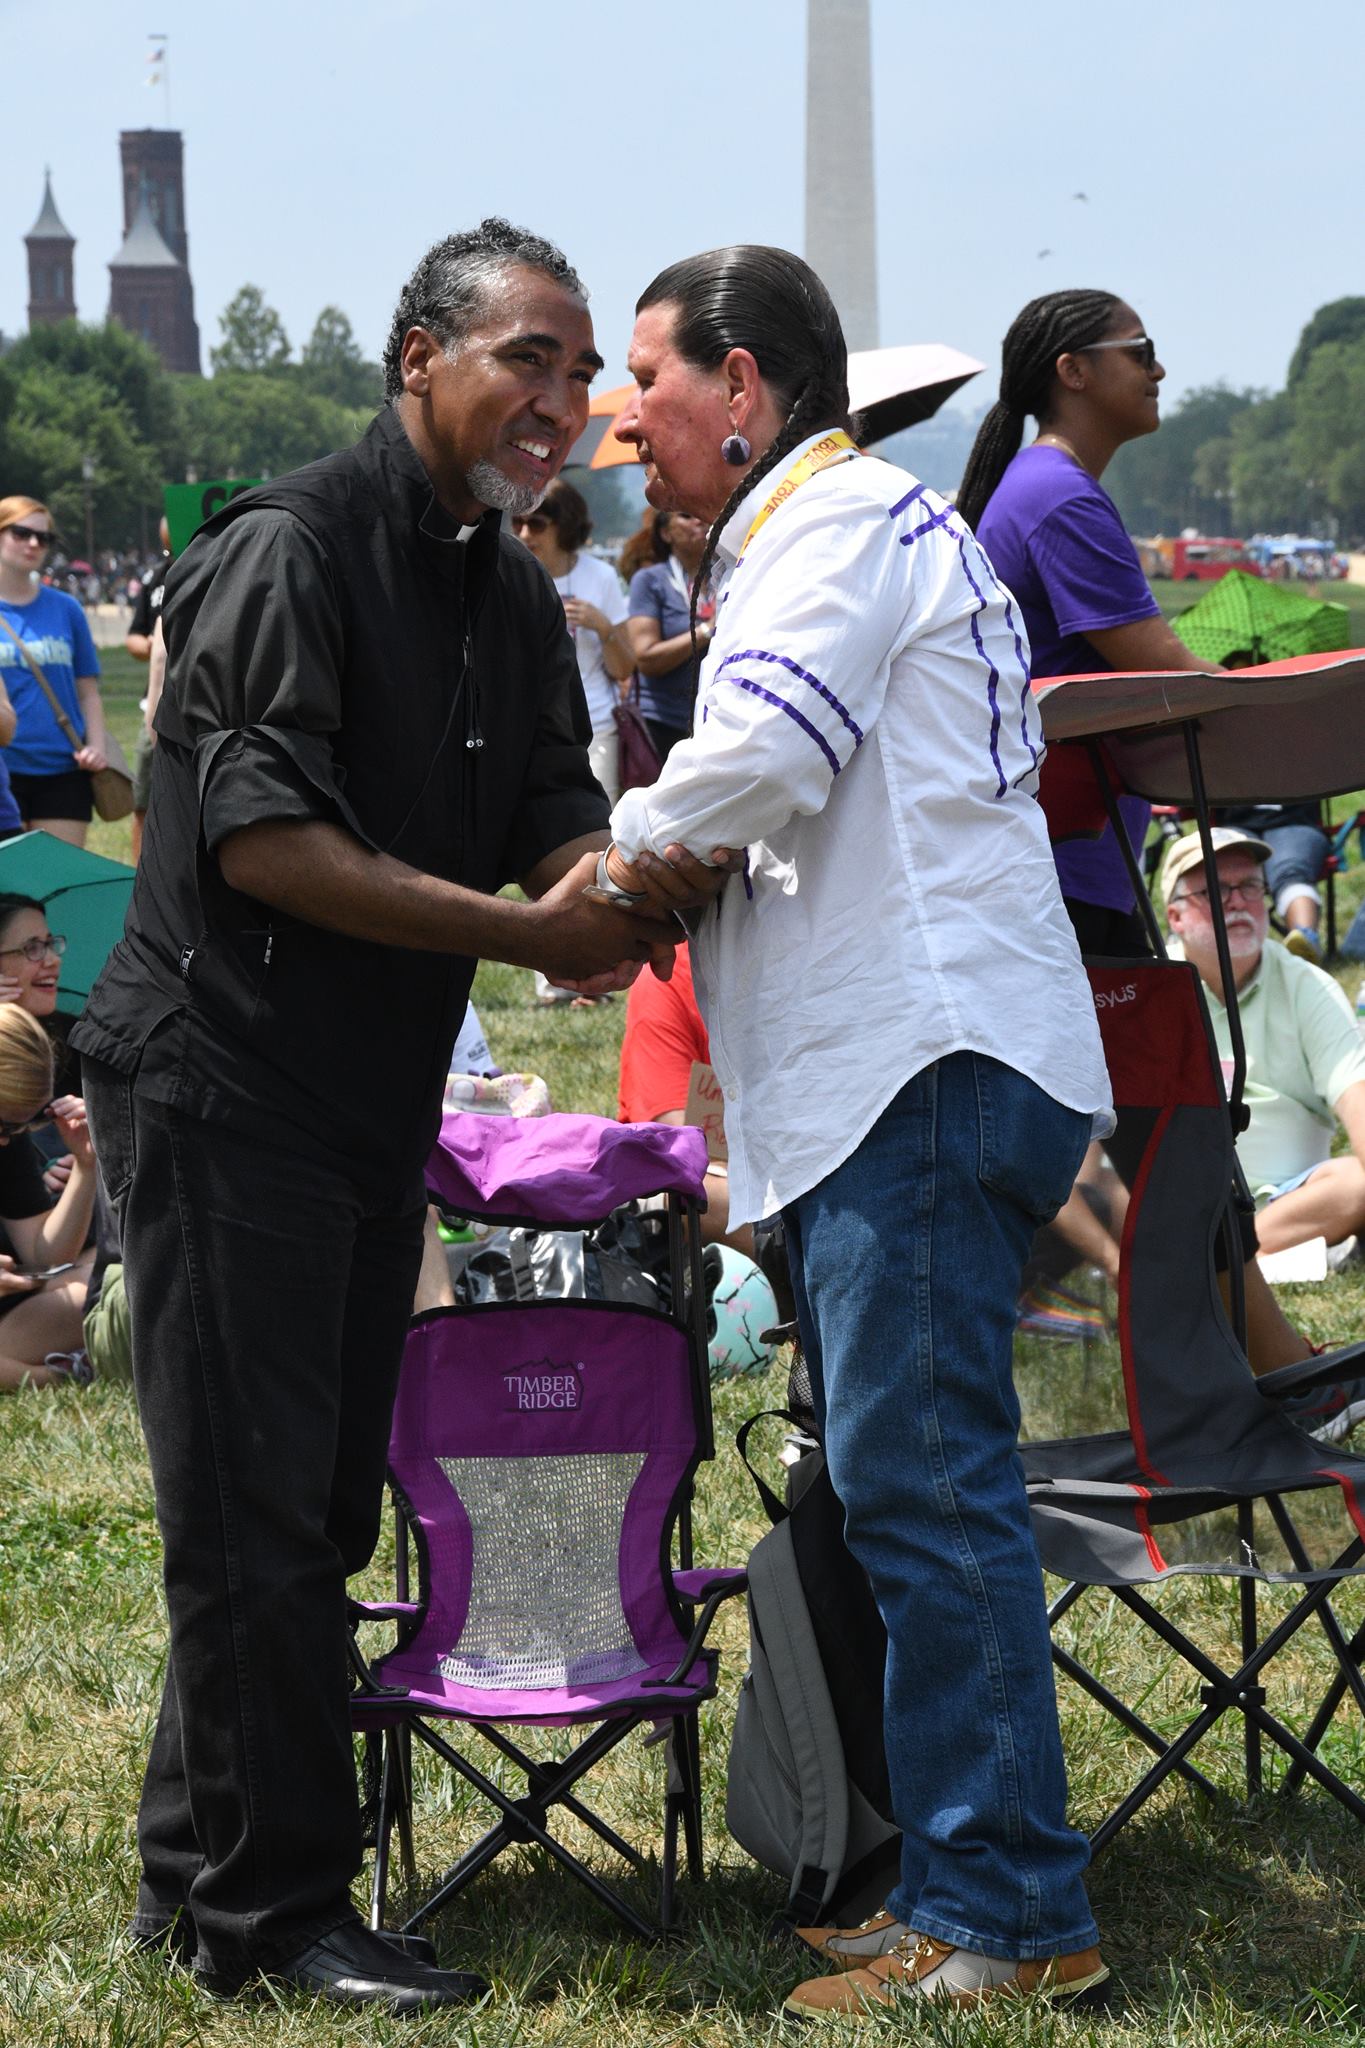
(803, 675)
(993, 685)
(904, 504)
(757, 690)
(1025, 694)
(937, 519)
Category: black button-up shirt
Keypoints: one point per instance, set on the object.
(336, 651)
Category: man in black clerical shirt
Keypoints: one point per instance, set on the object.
(372, 720)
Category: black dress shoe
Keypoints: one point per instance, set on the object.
(175, 1940)
(354, 1966)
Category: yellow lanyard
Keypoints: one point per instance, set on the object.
(829, 449)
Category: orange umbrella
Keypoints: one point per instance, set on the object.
(597, 446)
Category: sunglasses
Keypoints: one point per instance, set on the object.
(44, 540)
(531, 522)
(37, 950)
(30, 1123)
(1140, 345)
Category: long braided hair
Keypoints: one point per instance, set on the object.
(771, 303)
(1056, 325)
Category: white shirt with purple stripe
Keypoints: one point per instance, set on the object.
(865, 729)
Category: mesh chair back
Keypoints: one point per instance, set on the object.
(543, 1450)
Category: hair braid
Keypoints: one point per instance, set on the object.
(1055, 325)
(802, 420)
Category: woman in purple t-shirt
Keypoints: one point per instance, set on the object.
(1080, 363)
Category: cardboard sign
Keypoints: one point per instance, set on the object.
(187, 506)
(706, 1109)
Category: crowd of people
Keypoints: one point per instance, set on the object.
(380, 706)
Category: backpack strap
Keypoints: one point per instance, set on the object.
(776, 1510)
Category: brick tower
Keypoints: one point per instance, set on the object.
(150, 291)
(153, 164)
(51, 277)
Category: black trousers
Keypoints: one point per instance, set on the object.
(269, 1296)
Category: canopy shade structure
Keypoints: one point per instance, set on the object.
(891, 388)
(1286, 732)
(1244, 619)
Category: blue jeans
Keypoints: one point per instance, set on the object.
(906, 1263)
(1297, 853)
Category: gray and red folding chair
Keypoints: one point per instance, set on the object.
(1127, 1510)
(542, 1459)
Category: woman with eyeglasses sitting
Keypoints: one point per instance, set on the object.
(48, 780)
(30, 974)
(43, 1282)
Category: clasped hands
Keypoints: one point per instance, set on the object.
(667, 886)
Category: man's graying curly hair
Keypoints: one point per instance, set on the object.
(449, 288)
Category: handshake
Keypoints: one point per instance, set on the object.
(635, 909)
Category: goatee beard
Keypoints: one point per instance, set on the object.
(487, 483)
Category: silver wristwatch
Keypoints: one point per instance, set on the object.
(613, 890)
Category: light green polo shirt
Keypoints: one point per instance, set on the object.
(1304, 1049)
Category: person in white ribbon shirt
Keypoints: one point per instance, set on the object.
(912, 1069)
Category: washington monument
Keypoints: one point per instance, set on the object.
(841, 222)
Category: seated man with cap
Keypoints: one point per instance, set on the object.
(1305, 1054)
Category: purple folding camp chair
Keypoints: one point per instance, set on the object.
(542, 1460)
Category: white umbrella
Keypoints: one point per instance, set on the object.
(898, 387)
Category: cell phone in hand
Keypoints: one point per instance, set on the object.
(52, 1272)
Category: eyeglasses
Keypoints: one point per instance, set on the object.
(1140, 345)
(39, 1116)
(531, 522)
(1250, 891)
(44, 540)
(38, 950)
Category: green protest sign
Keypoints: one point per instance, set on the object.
(189, 505)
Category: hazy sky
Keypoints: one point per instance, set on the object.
(327, 146)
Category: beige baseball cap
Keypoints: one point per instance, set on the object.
(1188, 853)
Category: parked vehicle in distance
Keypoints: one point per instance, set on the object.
(1296, 557)
(1203, 558)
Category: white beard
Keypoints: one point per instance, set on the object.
(487, 483)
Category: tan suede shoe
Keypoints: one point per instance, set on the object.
(852, 1948)
(920, 1967)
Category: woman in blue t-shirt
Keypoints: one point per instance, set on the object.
(1081, 364)
(660, 636)
(48, 777)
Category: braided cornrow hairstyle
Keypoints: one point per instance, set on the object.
(767, 301)
(1056, 325)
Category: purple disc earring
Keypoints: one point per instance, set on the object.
(735, 450)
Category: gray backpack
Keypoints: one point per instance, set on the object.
(807, 1792)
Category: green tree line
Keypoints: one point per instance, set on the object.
(1241, 462)
(71, 394)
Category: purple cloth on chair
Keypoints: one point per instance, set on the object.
(560, 1169)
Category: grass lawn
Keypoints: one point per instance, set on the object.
(1230, 1926)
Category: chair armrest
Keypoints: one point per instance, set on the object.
(1347, 1362)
